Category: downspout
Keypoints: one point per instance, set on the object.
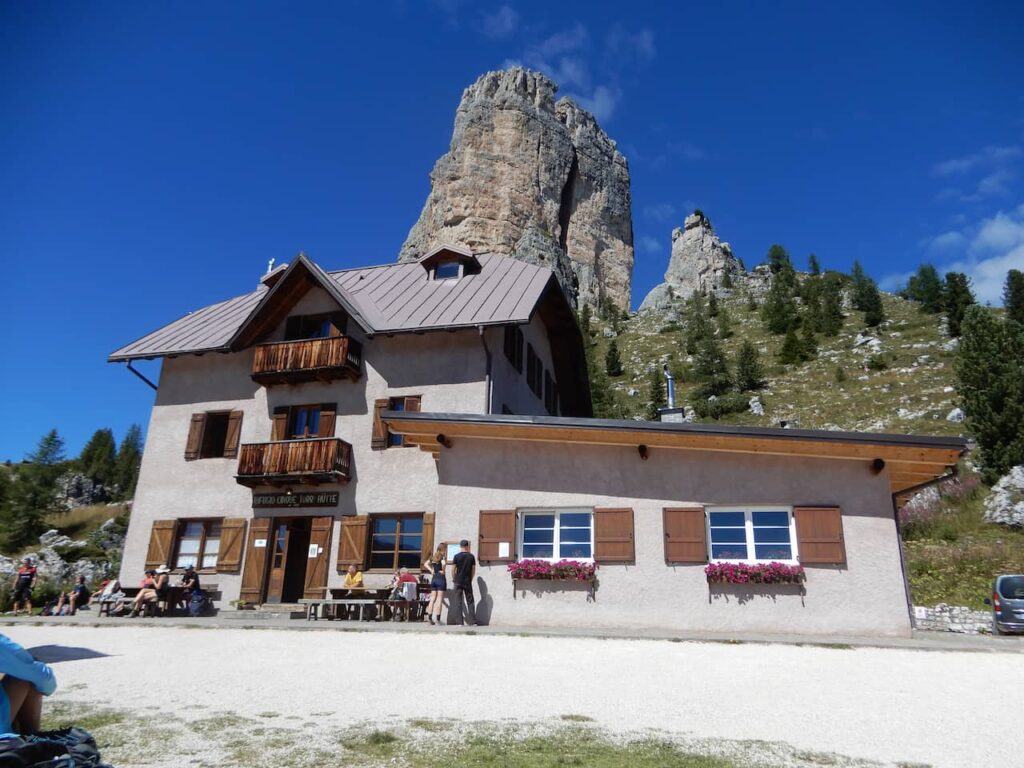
(899, 536)
(487, 372)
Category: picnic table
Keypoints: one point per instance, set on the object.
(378, 599)
(176, 597)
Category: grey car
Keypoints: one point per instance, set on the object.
(1007, 603)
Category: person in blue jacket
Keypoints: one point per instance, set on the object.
(25, 682)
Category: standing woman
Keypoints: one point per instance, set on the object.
(438, 583)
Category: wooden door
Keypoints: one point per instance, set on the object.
(255, 561)
(278, 560)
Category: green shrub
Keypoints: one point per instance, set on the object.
(840, 374)
(733, 402)
(877, 363)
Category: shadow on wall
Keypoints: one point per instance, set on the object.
(745, 593)
(413, 360)
(484, 603)
(539, 588)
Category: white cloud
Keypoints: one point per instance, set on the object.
(895, 281)
(601, 103)
(989, 157)
(660, 211)
(649, 244)
(502, 23)
(639, 45)
(987, 251)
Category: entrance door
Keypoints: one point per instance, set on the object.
(287, 572)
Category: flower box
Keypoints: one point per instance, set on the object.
(756, 573)
(563, 570)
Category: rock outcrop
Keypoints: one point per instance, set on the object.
(537, 179)
(699, 262)
(1005, 505)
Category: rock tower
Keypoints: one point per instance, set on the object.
(536, 179)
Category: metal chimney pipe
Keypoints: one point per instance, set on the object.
(671, 386)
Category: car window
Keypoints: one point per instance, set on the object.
(1012, 587)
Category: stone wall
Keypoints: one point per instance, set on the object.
(953, 618)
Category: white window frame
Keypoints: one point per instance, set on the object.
(523, 513)
(748, 524)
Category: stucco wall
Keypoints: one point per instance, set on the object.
(865, 597)
(510, 387)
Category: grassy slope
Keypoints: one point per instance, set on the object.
(808, 393)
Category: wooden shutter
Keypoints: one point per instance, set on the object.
(195, 436)
(428, 538)
(379, 441)
(412, 403)
(280, 424)
(496, 526)
(352, 541)
(316, 566)
(161, 543)
(233, 435)
(613, 536)
(255, 568)
(232, 537)
(819, 535)
(685, 535)
(328, 412)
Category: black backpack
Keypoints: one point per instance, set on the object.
(198, 604)
(66, 748)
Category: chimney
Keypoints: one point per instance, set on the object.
(671, 387)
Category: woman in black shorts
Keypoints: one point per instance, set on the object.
(438, 583)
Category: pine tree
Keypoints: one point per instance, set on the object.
(810, 344)
(698, 324)
(990, 382)
(925, 287)
(33, 493)
(126, 466)
(612, 361)
(1013, 295)
(711, 369)
(812, 290)
(812, 263)
(749, 372)
(957, 297)
(656, 399)
(831, 305)
(724, 324)
(874, 312)
(779, 309)
(792, 351)
(861, 286)
(778, 259)
(96, 461)
(712, 304)
(727, 279)
(585, 322)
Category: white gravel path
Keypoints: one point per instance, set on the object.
(941, 708)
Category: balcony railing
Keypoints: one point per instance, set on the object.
(293, 362)
(311, 460)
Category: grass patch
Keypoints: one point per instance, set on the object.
(816, 758)
(577, 718)
(434, 726)
(81, 521)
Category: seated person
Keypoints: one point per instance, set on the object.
(190, 580)
(25, 682)
(78, 596)
(353, 578)
(60, 608)
(154, 589)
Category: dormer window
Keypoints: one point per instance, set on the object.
(447, 270)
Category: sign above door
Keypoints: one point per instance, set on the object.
(320, 499)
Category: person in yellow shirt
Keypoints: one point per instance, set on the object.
(354, 578)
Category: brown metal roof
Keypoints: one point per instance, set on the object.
(393, 298)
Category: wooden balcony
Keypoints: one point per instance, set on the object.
(312, 461)
(294, 362)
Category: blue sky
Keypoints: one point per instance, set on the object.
(154, 157)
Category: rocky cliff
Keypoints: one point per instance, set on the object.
(535, 178)
(699, 262)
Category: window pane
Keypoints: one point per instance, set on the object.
(314, 421)
(382, 560)
(574, 519)
(771, 535)
(447, 270)
(410, 542)
(574, 550)
(385, 525)
(410, 560)
(209, 561)
(727, 518)
(728, 552)
(538, 536)
(574, 535)
(538, 550)
(383, 541)
(539, 521)
(189, 546)
(773, 552)
(412, 525)
(770, 518)
(397, 404)
(729, 535)
(184, 561)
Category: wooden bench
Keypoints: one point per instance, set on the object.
(177, 599)
(380, 599)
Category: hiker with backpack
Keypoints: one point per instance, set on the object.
(25, 682)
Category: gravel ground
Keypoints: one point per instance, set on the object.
(893, 706)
